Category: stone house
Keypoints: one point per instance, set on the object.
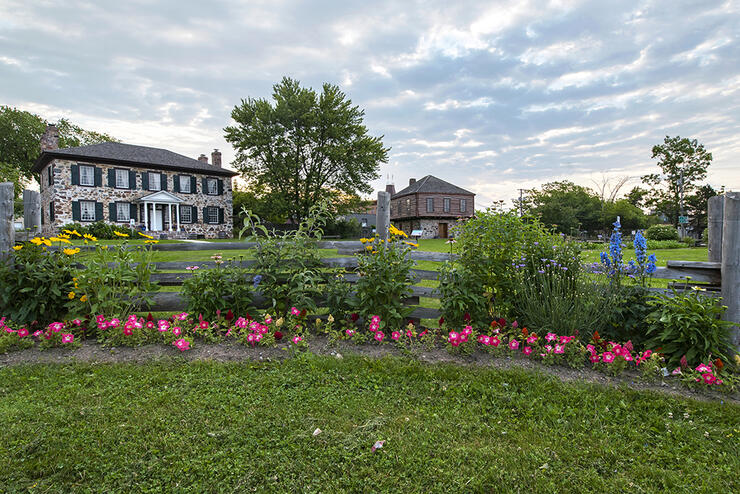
(163, 192)
(430, 205)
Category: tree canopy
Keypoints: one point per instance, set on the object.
(304, 146)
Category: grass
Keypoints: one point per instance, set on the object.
(242, 427)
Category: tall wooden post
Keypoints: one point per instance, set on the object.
(7, 231)
(731, 262)
(715, 217)
(383, 220)
(31, 211)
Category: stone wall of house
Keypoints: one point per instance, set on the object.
(429, 226)
(62, 193)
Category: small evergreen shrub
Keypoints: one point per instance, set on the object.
(662, 232)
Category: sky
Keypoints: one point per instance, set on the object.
(492, 96)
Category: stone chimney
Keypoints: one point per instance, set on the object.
(50, 139)
(216, 158)
(412, 181)
(203, 158)
(391, 189)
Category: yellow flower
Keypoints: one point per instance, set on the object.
(74, 279)
(119, 234)
(363, 240)
(90, 237)
(17, 247)
(58, 239)
(71, 252)
(411, 244)
(71, 295)
(279, 322)
(396, 231)
(151, 241)
(37, 240)
(75, 233)
(46, 242)
(330, 318)
(369, 247)
(83, 298)
(77, 285)
(145, 235)
(61, 235)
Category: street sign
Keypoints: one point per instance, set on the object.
(683, 220)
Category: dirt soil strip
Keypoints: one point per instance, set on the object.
(91, 352)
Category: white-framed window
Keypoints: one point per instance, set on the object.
(212, 186)
(123, 211)
(87, 176)
(446, 205)
(463, 205)
(155, 182)
(122, 179)
(186, 213)
(184, 184)
(213, 215)
(87, 208)
(430, 204)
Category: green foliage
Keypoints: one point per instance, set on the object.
(227, 286)
(385, 280)
(631, 217)
(304, 147)
(461, 294)
(662, 232)
(344, 228)
(116, 280)
(688, 241)
(625, 314)
(339, 298)
(289, 263)
(34, 284)
(688, 324)
(565, 206)
(101, 230)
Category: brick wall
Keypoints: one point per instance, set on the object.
(62, 193)
(415, 206)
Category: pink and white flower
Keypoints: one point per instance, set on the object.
(379, 336)
(703, 368)
(513, 344)
(182, 344)
(395, 335)
(551, 336)
(297, 339)
(527, 350)
(55, 327)
(177, 331)
(294, 311)
(68, 338)
(607, 357)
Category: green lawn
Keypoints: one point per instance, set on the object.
(243, 427)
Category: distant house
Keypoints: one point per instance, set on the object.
(430, 205)
(121, 183)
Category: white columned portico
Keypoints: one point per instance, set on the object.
(156, 221)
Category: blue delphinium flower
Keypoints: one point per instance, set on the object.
(605, 260)
(650, 268)
(640, 247)
(256, 280)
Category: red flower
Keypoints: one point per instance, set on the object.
(596, 336)
(525, 332)
(248, 317)
(466, 317)
(149, 317)
(719, 364)
(441, 321)
(501, 322)
(229, 315)
(278, 335)
(494, 324)
(303, 313)
(354, 317)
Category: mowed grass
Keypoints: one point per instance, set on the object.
(243, 427)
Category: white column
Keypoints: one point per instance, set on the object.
(146, 216)
(169, 214)
(177, 215)
(154, 215)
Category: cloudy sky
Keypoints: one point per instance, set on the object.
(490, 95)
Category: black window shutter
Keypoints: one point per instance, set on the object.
(51, 174)
(76, 216)
(220, 216)
(164, 181)
(112, 213)
(193, 185)
(145, 180)
(51, 211)
(220, 187)
(204, 184)
(176, 183)
(111, 177)
(98, 211)
(98, 177)
(76, 175)
(194, 212)
(206, 219)
(42, 216)
(132, 180)
(134, 211)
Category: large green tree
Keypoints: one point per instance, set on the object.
(684, 164)
(304, 146)
(565, 206)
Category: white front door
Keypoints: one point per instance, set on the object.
(158, 220)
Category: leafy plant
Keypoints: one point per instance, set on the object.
(688, 324)
(461, 295)
(625, 314)
(662, 232)
(339, 297)
(227, 286)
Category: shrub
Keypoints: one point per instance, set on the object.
(227, 286)
(385, 279)
(662, 232)
(688, 324)
(100, 229)
(688, 241)
(461, 296)
(665, 244)
(339, 298)
(35, 282)
(626, 313)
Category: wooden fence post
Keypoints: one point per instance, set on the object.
(383, 220)
(31, 211)
(731, 262)
(715, 217)
(7, 230)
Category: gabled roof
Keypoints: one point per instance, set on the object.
(431, 185)
(131, 155)
(159, 196)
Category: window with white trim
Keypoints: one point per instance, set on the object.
(463, 205)
(123, 211)
(430, 204)
(122, 179)
(212, 186)
(186, 213)
(213, 215)
(87, 176)
(87, 209)
(184, 184)
(155, 181)
(446, 205)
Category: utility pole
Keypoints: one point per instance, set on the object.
(521, 199)
(680, 206)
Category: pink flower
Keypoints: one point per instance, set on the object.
(548, 348)
(513, 344)
(627, 356)
(594, 358)
(559, 348)
(114, 323)
(564, 339)
(703, 368)
(515, 325)
(496, 330)
(468, 330)
(495, 341)
(268, 320)
(551, 337)
(55, 327)
(375, 320)
(607, 357)
(617, 350)
(103, 324)
(453, 336)
(481, 337)
(297, 339)
(532, 339)
(395, 335)
(38, 333)
(68, 338)
(176, 331)
(708, 378)
(203, 325)
(182, 344)
(350, 332)
(463, 337)
(486, 340)
(250, 337)
(374, 327)
(150, 325)
(646, 354)
(22, 333)
(8, 329)
(527, 350)
(181, 316)
(379, 336)
(294, 311)
(99, 318)
(128, 330)
(676, 371)
(455, 342)
(76, 322)
(591, 348)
